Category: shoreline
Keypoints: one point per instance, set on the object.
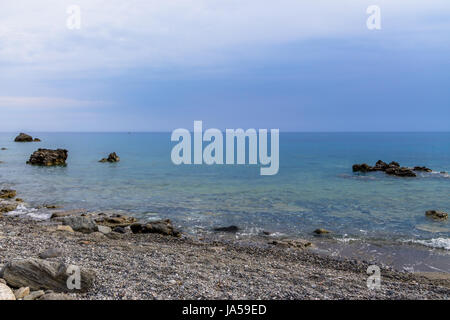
(154, 266)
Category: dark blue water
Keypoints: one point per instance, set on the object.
(315, 186)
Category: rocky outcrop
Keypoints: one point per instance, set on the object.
(37, 140)
(392, 168)
(163, 227)
(80, 224)
(7, 194)
(23, 137)
(113, 157)
(47, 157)
(321, 231)
(6, 206)
(292, 243)
(437, 215)
(116, 220)
(40, 274)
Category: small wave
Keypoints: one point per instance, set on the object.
(33, 213)
(440, 243)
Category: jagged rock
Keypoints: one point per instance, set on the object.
(115, 221)
(22, 292)
(361, 167)
(401, 172)
(437, 215)
(232, 229)
(51, 253)
(47, 157)
(37, 140)
(7, 194)
(6, 293)
(80, 223)
(113, 157)
(23, 137)
(44, 274)
(321, 231)
(163, 227)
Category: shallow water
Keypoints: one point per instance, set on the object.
(315, 186)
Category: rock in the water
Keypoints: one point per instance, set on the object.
(232, 229)
(113, 157)
(80, 224)
(34, 295)
(37, 140)
(400, 172)
(44, 274)
(297, 243)
(51, 253)
(361, 167)
(6, 293)
(7, 194)
(115, 221)
(47, 157)
(321, 231)
(437, 215)
(22, 292)
(4, 149)
(163, 227)
(424, 169)
(23, 137)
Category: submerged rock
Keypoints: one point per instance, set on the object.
(425, 169)
(7, 194)
(321, 231)
(163, 227)
(37, 140)
(47, 157)
(401, 172)
(437, 215)
(23, 137)
(113, 157)
(40, 274)
(232, 229)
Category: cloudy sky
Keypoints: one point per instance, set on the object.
(297, 65)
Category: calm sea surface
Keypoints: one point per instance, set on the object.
(315, 186)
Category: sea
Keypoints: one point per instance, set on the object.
(314, 188)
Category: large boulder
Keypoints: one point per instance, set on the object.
(47, 157)
(40, 274)
(163, 227)
(113, 157)
(80, 224)
(23, 137)
(6, 293)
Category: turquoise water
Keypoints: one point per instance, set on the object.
(315, 186)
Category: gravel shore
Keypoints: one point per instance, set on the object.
(152, 266)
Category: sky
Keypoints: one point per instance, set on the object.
(295, 65)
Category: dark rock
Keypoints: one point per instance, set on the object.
(120, 230)
(7, 194)
(80, 224)
(394, 164)
(380, 166)
(113, 157)
(47, 157)
(51, 253)
(321, 231)
(437, 215)
(43, 274)
(400, 172)
(22, 137)
(37, 140)
(361, 167)
(163, 227)
(232, 229)
(424, 169)
(4, 149)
